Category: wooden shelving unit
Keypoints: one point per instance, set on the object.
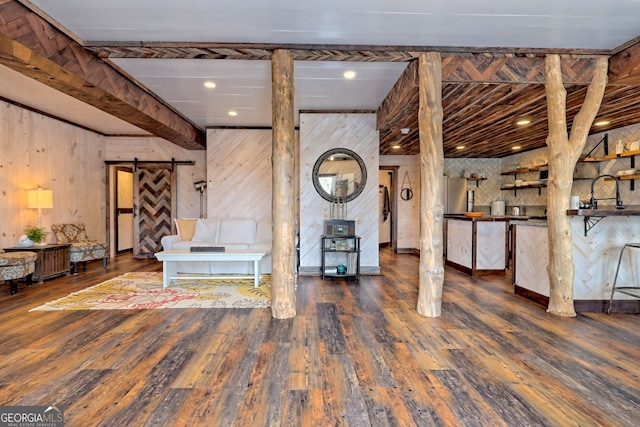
(523, 171)
(348, 250)
(631, 155)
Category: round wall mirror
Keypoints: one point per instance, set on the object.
(339, 174)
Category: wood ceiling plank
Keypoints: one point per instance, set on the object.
(624, 67)
(32, 46)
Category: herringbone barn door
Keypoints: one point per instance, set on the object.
(154, 201)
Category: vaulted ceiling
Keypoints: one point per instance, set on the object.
(138, 68)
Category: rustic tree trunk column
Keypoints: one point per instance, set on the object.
(431, 269)
(564, 152)
(283, 299)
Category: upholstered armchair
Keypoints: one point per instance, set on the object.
(15, 265)
(82, 249)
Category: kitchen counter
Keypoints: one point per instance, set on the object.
(595, 258)
(477, 245)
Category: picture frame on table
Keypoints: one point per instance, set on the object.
(342, 245)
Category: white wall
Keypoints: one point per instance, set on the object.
(320, 132)
(239, 173)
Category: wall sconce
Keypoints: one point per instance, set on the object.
(39, 199)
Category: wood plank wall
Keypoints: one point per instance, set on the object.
(320, 132)
(36, 150)
(239, 173)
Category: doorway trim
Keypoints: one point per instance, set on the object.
(117, 211)
(393, 170)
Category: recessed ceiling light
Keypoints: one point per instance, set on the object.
(460, 147)
(602, 123)
(233, 113)
(395, 147)
(349, 74)
(209, 85)
(405, 131)
(516, 147)
(523, 122)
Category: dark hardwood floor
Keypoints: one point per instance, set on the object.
(355, 355)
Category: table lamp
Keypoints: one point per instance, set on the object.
(39, 199)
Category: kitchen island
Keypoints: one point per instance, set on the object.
(596, 249)
(478, 245)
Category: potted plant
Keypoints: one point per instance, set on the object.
(36, 235)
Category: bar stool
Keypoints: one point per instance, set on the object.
(633, 291)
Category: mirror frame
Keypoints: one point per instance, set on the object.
(316, 174)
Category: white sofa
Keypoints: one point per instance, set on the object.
(233, 234)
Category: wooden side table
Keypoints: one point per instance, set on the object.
(52, 261)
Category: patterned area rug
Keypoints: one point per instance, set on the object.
(144, 291)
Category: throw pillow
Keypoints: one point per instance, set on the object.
(186, 228)
(69, 233)
(204, 233)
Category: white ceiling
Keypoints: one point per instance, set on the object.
(245, 86)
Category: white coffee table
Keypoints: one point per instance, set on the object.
(171, 258)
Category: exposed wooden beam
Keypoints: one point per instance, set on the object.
(37, 49)
(489, 69)
(624, 67)
(311, 52)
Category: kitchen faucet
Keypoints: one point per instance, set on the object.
(594, 202)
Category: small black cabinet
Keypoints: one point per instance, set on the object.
(340, 251)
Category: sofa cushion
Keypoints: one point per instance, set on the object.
(237, 231)
(205, 231)
(87, 251)
(263, 234)
(186, 228)
(236, 247)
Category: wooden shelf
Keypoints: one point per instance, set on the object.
(522, 187)
(477, 180)
(625, 177)
(525, 170)
(610, 156)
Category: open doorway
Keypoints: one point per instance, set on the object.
(123, 209)
(387, 221)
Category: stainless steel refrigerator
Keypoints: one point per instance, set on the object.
(454, 194)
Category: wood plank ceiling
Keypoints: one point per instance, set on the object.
(480, 117)
(484, 91)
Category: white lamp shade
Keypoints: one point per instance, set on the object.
(40, 199)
